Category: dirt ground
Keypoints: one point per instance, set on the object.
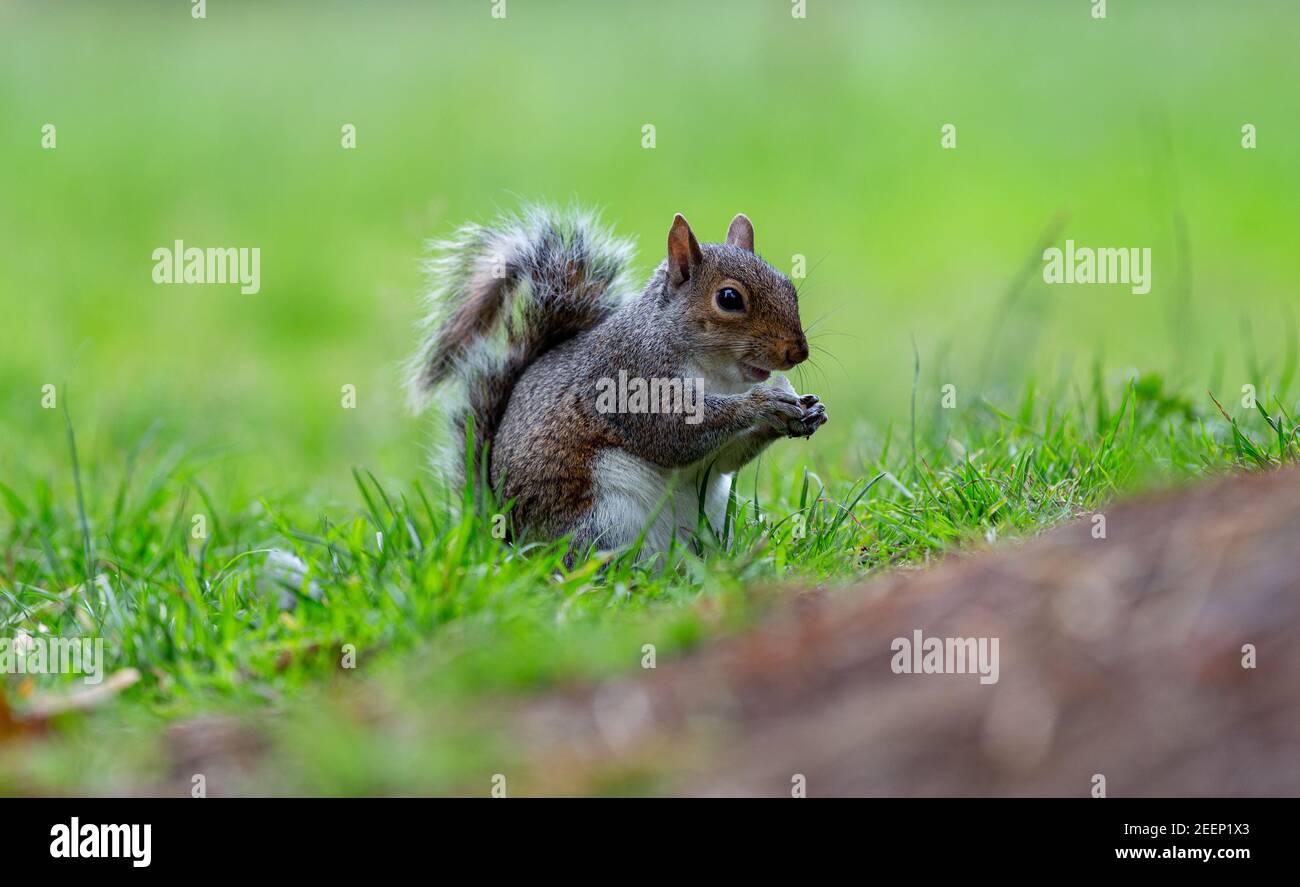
(1120, 657)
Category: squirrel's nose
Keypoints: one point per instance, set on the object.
(796, 351)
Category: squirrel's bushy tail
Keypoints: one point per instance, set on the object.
(501, 295)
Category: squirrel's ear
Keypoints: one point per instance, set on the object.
(741, 233)
(683, 251)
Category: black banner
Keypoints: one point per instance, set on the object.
(335, 836)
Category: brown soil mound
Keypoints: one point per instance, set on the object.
(1120, 656)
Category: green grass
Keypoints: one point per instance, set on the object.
(402, 577)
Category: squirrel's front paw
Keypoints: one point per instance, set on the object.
(814, 414)
(778, 410)
(788, 414)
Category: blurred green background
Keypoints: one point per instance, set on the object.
(826, 131)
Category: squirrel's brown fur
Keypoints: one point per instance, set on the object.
(534, 314)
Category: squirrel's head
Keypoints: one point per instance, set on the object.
(742, 314)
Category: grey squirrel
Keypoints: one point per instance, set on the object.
(533, 318)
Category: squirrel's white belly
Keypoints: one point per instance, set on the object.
(628, 491)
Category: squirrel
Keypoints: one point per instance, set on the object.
(532, 319)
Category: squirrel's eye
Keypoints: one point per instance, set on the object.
(730, 300)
